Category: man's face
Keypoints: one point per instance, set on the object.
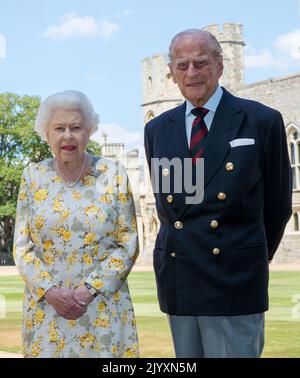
(196, 68)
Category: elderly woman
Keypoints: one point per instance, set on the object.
(75, 242)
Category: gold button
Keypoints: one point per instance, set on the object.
(178, 225)
(216, 251)
(170, 199)
(229, 167)
(173, 254)
(222, 196)
(165, 172)
(214, 224)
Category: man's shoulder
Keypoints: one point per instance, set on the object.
(164, 117)
(255, 107)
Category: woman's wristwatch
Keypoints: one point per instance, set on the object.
(91, 289)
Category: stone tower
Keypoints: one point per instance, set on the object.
(158, 89)
(231, 38)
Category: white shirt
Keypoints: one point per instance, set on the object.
(211, 105)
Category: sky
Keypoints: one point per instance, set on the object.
(96, 47)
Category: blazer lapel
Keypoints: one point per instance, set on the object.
(225, 127)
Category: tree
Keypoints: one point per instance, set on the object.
(19, 145)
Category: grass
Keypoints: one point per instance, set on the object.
(282, 320)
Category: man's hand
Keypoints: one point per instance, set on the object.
(64, 303)
(82, 296)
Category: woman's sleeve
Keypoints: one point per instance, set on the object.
(113, 270)
(25, 251)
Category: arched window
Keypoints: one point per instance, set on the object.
(168, 80)
(149, 116)
(150, 84)
(293, 134)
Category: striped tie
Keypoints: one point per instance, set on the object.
(198, 134)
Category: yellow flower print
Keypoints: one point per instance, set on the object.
(66, 234)
(117, 296)
(65, 215)
(27, 258)
(29, 323)
(89, 238)
(76, 195)
(61, 345)
(102, 322)
(121, 237)
(53, 333)
(115, 263)
(36, 347)
(47, 244)
(102, 168)
(45, 275)
(104, 256)
(87, 259)
(39, 317)
(101, 306)
(96, 250)
(119, 179)
(114, 349)
(40, 195)
(32, 303)
(91, 210)
(122, 197)
(88, 181)
(106, 199)
(22, 196)
(102, 218)
(33, 185)
(72, 323)
(110, 190)
(124, 318)
(71, 260)
(49, 258)
(97, 284)
(130, 352)
(39, 222)
(34, 237)
(57, 180)
(57, 204)
(88, 338)
(37, 264)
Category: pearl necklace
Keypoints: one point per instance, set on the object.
(73, 183)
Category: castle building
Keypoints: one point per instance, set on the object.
(161, 94)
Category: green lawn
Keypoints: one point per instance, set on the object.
(282, 321)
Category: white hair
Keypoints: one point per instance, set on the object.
(214, 43)
(68, 100)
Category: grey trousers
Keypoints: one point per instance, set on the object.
(218, 336)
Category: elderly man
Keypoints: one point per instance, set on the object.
(211, 258)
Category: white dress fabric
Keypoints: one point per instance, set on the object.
(67, 236)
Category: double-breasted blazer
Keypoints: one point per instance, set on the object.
(212, 258)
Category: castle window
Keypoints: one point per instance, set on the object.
(296, 222)
(168, 80)
(150, 84)
(294, 152)
(149, 116)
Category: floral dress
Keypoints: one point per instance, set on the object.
(66, 236)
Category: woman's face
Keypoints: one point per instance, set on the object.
(67, 135)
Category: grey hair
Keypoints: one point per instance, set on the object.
(69, 100)
(214, 43)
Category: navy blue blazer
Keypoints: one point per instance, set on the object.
(215, 261)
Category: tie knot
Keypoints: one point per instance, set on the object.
(200, 112)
